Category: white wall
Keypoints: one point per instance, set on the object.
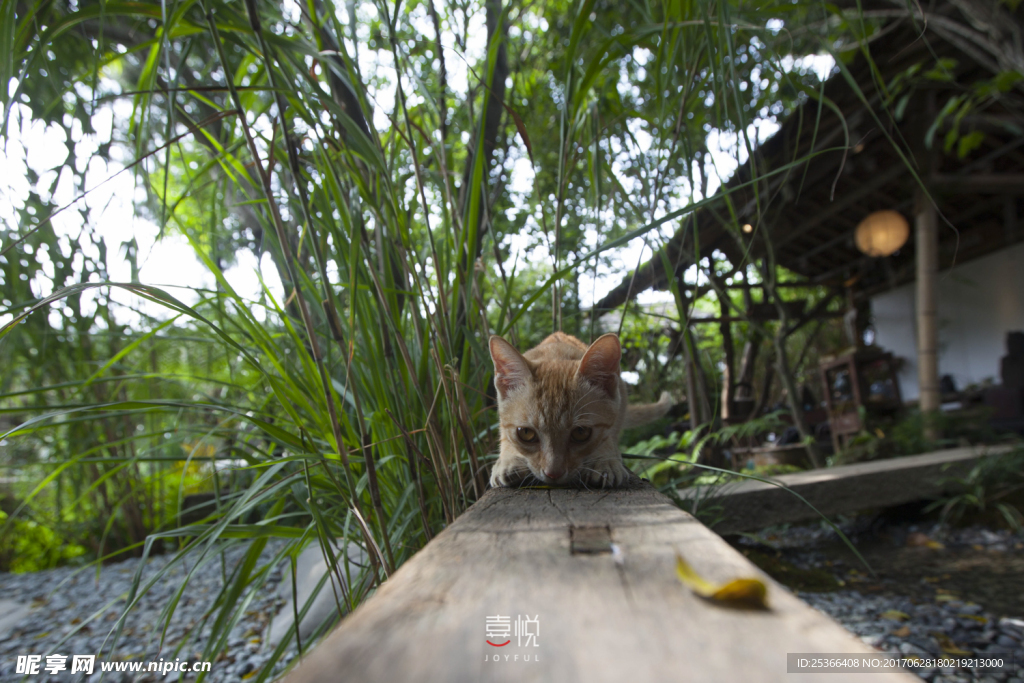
(979, 302)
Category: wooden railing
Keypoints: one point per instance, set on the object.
(591, 576)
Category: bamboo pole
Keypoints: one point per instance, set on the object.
(926, 226)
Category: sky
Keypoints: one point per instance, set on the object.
(171, 262)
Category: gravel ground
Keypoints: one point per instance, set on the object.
(64, 599)
(908, 612)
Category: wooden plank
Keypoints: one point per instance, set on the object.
(601, 616)
(751, 505)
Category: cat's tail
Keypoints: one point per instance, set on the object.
(637, 415)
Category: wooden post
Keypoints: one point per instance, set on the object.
(1010, 218)
(729, 373)
(926, 235)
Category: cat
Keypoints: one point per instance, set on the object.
(561, 408)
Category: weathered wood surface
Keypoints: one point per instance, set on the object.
(750, 505)
(618, 617)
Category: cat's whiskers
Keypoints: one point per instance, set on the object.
(604, 476)
(585, 395)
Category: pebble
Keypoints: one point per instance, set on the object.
(74, 606)
(965, 624)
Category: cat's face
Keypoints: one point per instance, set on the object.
(559, 414)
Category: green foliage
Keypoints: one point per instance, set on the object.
(668, 456)
(29, 546)
(905, 435)
(980, 96)
(994, 485)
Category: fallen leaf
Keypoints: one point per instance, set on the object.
(895, 615)
(935, 545)
(948, 646)
(918, 539)
(946, 597)
(902, 632)
(748, 593)
(976, 617)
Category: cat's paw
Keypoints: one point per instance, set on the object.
(506, 472)
(608, 473)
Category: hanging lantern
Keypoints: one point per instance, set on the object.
(882, 233)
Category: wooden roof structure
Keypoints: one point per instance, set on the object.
(812, 211)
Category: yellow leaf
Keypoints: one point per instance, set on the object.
(894, 614)
(692, 579)
(934, 545)
(949, 647)
(748, 593)
(902, 632)
(976, 617)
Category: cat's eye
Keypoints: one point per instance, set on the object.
(580, 434)
(526, 435)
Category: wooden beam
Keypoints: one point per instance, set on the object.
(827, 315)
(996, 183)
(846, 200)
(752, 505)
(612, 611)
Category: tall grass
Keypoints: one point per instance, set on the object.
(356, 406)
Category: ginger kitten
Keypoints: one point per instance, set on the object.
(561, 407)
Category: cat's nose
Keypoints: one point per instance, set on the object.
(553, 474)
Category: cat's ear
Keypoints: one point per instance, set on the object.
(511, 370)
(600, 364)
